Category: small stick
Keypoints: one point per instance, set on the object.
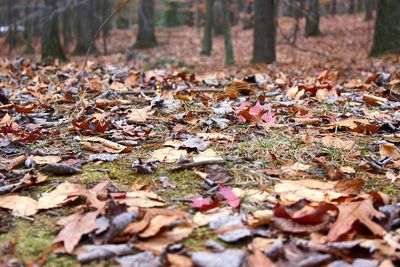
(197, 164)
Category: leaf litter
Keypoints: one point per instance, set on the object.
(314, 198)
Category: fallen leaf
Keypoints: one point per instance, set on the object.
(99, 252)
(75, 226)
(167, 155)
(374, 100)
(208, 154)
(63, 194)
(109, 146)
(156, 224)
(176, 260)
(258, 259)
(146, 259)
(195, 144)
(138, 115)
(142, 199)
(227, 193)
(335, 142)
(20, 205)
(16, 162)
(230, 257)
(43, 160)
(350, 187)
(158, 243)
(312, 190)
(362, 211)
(389, 150)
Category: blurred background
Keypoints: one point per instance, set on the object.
(195, 35)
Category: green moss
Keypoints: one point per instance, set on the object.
(31, 238)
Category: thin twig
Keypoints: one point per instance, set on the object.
(101, 27)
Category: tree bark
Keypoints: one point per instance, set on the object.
(51, 45)
(67, 27)
(229, 57)
(106, 7)
(312, 20)
(11, 35)
(368, 10)
(208, 28)
(28, 32)
(86, 27)
(264, 32)
(387, 30)
(146, 37)
(218, 22)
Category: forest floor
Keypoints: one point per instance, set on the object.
(170, 158)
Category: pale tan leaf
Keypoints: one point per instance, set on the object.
(389, 150)
(335, 142)
(138, 115)
(43, 160)
(20, 205)
(167, 155)
(158, 243)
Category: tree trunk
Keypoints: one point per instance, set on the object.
(86, 27)
(352, 6)
(146, 37)
(387, 30)
(229, 57)
(106, 7)
(312, 20)
(28, 31)
(264, 32)
(51, 45)
(218, 22)
(333, 10)
(197, 13)
(67, 26)
(11, 34)
(368, 10)
(208, 28)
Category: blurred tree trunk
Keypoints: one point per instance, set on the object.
(86, 27)
(218, 18)
(352, 6)
(264, 32)
(67, 27)
(229, 57)
(387, 30)
(312, 19)
(11, 35)
(197, 13)
(28, 31)
(146, 37)
(333, 10)
(51, 45)
(208, 28)
(106, 11)
(368, 10)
